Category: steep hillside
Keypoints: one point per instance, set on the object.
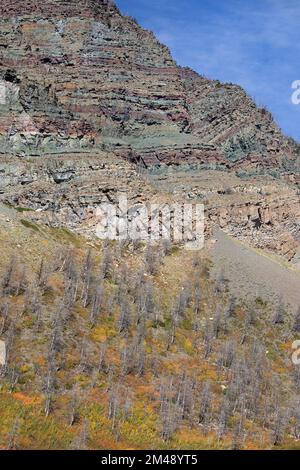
(119, 346)
(130, 347)
(85, 86)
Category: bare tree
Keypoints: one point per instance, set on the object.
(10, 348)
(296, 325)
(113, 407)
(102, 366)
(279, 427)
(224, 416)
(230, 310)
(239, 433)
(57, 341)
(74, 408)
(127, 359)
(217, 323)
(128, 404)
(149, 301)
(21, 281)
(169, 421)
(251, 316)
(13, 377)
(42, 275)
(168, 410)
(152, 260)
(50, 385)
(85, 364)
(97, 304)
(295, 414)
(81, 441)
(228, 353)
(185, 397)
(87, 277)
(13, 435)
(205, 406)
(4, 312)
(141, 359)
(208, 339)
(278, 318)
(221, 283)
(70, 288)
(125, 317)
(296, 376)
(197, 298)
(7, 278)
(107, 264)
(38, 318)
(172, 332)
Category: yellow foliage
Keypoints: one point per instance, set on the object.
(188, 347)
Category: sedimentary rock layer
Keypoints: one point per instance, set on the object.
(82, 77)
(83, 89)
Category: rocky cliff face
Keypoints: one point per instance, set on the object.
(84, 86)
(82, 77)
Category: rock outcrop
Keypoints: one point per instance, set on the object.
(82, 77)
(262, 211)
(87, 93)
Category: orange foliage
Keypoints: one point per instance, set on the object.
(27, 399)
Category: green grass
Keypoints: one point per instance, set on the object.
(29, 224)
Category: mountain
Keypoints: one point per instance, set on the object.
(91, 98)
(127, 345)
(90, 78)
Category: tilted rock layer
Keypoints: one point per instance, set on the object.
(84, 85)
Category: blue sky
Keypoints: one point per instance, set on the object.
(255, 43)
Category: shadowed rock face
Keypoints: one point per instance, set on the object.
(85, 86)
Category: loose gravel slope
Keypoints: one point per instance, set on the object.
(252, 274)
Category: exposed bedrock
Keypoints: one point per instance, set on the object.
(87, 94)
